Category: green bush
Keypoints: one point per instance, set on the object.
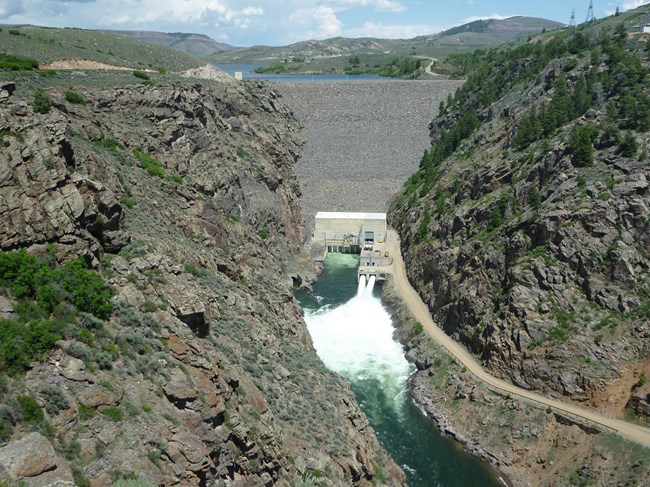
(43, 288)
(32, 412)
(55, 400)
(110, 144)
(74, 98)
(23, 343)
(86, 412)
(133, 482)
(628, 147)
(129, 202)
(14, 63)
(142, 75)
(6, 430)
(150, 164)
(177, 178)
(113, 413)
(41, 103)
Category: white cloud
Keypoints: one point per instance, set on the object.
(496, 16)
(371, 29)
(315, 23)
(378, 5)
(153, 13)
(632, 4)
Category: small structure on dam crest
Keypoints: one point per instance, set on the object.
(356, 233)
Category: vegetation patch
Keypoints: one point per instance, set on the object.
(9, 62)
(49, 297)
(74, 98)
(41, 103)
(150, 164)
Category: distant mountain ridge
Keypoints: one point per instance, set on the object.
(198, 45)
(477, 34)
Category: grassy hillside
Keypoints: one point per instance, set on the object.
(374, 55)
(49, 44)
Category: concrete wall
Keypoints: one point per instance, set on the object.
(332, 228)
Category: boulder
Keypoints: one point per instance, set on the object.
(33, 460)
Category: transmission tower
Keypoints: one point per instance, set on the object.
(591, 21)
(590, 12)
(572, 22)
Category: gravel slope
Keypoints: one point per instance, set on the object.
(364, 139)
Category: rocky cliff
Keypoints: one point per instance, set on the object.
(199, 370)
(525, 228)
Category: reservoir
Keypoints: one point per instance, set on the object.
(248, 72)
(353, 334)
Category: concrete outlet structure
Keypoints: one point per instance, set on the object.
(356, 233)
(349, 229)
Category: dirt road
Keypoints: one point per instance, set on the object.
(421, 313)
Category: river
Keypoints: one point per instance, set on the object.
(353, 335)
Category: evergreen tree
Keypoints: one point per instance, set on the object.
(580, 143)
(628, 146)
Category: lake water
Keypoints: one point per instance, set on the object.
(353, 334)
(248, 72)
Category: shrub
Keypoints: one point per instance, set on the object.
(43, 288)
(133, 482)
(79, 477)
(41, 103)
(142, 75)
(32, 412)
(86, 412)
(80, 351)
(534, 198)
(628, 147)
(110, 144)
(128, 202)
(150, 164)
(6, 430)
(55, 400)
(74, 98)
(15, 63)
(113, 413)
(11, 412)
(263, 233)
(22, 343)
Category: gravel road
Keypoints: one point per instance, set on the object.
(364, 139)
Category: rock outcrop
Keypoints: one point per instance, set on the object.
(184, 198)
(533, 258)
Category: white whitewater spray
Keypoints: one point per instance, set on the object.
(362, 284)
(356, 340)
(370, 286)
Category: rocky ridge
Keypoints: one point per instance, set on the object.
(184, 198)
(527, 239)
(536, 263)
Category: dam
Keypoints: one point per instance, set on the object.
(365, 234)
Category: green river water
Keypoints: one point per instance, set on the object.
(352, 332)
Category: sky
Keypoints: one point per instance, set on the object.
(281, 22)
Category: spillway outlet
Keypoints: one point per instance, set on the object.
(366, 274)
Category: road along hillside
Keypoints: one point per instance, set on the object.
(420, 311)
(364, 139)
